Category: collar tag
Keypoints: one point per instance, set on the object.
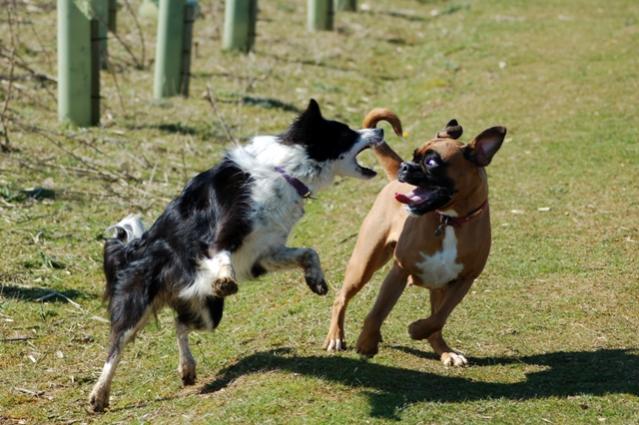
(301, 189)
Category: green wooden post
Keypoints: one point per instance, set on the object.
(190, 10)
(320, 15)
(100, 11)
(168, 52)
(346, 5)
(78, 102)
(113, 15)
(240, 19)
(173, 51)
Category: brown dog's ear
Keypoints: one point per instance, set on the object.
(452, 130)
(482, 149)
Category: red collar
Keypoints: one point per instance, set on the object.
(446, 220)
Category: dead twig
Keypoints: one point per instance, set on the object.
(33, 393)
(212, 101)
(17, 338)
(88, 163)
(138, 28)
(136, 62)
(6, 145)
(54, 294)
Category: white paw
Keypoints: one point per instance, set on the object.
(453, 359)
(99, 398)
(336, 344)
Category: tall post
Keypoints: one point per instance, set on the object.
(113, 15)
(240, 18)
(190, 10)
(98, 61)
(100, 12)
(168, 52)
(77, 77)
(320, 15)
(346, 5)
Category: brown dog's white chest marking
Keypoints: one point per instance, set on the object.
(437, 269)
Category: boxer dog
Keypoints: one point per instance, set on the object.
(433, 220)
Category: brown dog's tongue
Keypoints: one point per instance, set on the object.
(402, 198)
(416, 196)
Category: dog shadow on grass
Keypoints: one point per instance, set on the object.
(390, 389)
(40, 294)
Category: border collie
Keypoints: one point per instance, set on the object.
(229, 224)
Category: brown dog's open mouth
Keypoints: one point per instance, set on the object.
(416, 197)
(422, 200)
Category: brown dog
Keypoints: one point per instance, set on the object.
(433, 219)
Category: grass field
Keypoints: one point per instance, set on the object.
(550, 327)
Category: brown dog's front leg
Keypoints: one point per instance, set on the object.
(389, 293)
(454, 293)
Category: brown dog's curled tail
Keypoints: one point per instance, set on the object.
(387, 157)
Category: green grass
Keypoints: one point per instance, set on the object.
(551, 325)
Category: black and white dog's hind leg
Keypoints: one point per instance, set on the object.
(186, 365)
(288, 258)
(129, 304)
(99, 398)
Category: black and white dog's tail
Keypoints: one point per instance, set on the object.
(125, 232)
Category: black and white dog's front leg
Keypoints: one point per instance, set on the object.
(305, 258)
(215, 276)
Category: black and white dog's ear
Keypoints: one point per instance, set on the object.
(312, 110)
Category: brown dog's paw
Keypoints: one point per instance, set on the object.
(368, 344)
(422, 329)
(335, 341)
(452, 358)
(224, 286)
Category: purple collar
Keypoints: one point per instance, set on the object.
(297, 184)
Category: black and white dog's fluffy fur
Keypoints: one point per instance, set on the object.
(230, 223)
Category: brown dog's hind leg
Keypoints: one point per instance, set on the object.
(442, 302)
(370, 254)
(389, 293)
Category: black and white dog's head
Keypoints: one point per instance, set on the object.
(332, 144)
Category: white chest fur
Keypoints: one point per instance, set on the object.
(438, 269)
(276, 209)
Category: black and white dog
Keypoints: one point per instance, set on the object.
(230, 223)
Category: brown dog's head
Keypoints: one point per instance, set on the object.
(446, 170)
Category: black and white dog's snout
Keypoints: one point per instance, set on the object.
(372, 136)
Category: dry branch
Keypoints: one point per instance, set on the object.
(212, 101)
